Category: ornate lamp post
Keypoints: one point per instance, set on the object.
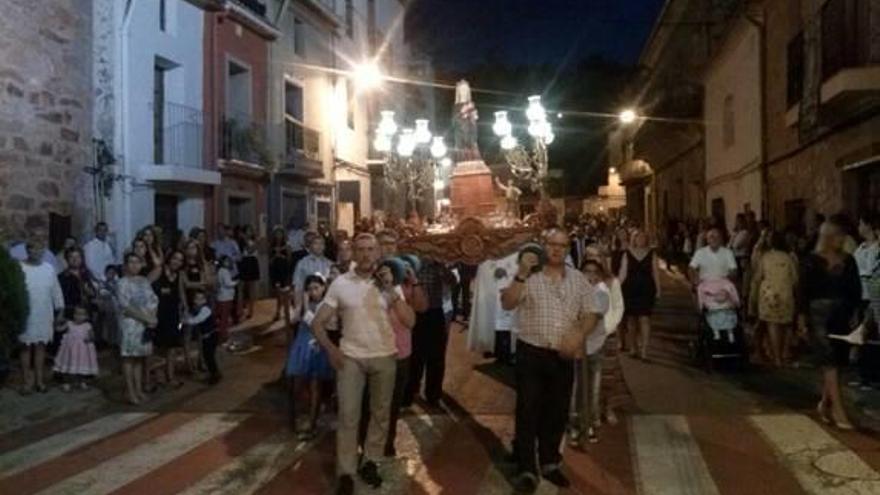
(528, 165)
(412, 157)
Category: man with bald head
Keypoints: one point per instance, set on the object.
(554, 303)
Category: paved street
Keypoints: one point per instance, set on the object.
(689, 432)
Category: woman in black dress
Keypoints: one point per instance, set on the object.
(280, 272)
(640, 280)
(831, 292)
(168, 286)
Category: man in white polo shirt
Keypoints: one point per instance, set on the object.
(367, 354)
(713, 261)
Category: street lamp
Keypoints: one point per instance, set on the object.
(627, 116)
(527, 165)
(367, 76)
(412, 156)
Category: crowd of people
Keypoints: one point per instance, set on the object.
(367, 325)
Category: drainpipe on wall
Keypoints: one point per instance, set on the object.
(758, 23)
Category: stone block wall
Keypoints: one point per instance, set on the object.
(45, 114)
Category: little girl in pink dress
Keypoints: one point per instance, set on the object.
(76, 358)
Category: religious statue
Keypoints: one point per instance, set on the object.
(512, 195)
(464, 124)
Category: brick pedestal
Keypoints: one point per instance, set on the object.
(471, 190)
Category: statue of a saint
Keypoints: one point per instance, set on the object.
(511, 194)
(464, 124)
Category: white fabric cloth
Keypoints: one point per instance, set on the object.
(296, 239)
(866, 259)
(225, 285)
(44, 297)
(99, 254)
(713, 264)
(602, 303)
(487, 316)
(366, 329)
(19, 252)
(614, 315)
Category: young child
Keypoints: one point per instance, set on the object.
(201, 320)
(76, 358)
(225, 295)
(307, 364)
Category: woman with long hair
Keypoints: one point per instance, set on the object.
(154, 244)
(280, 272)
(640, 280)
(198, 275)
(830, 295)
(774, 285)
(138, 305)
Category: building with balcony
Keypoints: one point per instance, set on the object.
(822, 93)
(663, 158)
(321, 121)
(150, 115)
(236, 42)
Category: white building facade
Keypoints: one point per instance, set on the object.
(322, 122)
(149, 69)
(734, 125)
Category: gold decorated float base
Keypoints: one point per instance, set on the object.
(471, 242)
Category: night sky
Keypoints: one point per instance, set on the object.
(460, 34)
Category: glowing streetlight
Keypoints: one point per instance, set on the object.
(367, 75)
(422, 132)
(406, 145)
(535, 111)
(628, 116)
(438, 147)
(502, 126)
(382, 143)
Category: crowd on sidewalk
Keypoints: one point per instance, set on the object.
(367, 326)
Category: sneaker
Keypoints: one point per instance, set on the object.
(556, 477)
(525, 484)
(345, 486)
(369, 473)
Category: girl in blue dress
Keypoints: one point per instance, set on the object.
(308, 366)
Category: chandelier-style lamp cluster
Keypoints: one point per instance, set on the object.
(408, 140)
(539, 127)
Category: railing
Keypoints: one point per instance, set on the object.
(846, 35)
(301, 141)
(178, 135)
(244, 140)
(256, 6)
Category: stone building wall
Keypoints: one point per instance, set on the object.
(45, 114)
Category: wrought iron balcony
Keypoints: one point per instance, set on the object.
(178, 135)
(302, 149)
(244, 140)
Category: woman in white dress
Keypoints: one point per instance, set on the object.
(138, 306)
(46, 306)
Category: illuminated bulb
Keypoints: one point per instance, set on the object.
(438, 147)
(536, 129)
(382, 143)
(367, 76)
(508, 142)
(407, 143)
(387, 126)
(439, 185)
(502, 126)
(422, 133)
(628, 116)
(446, 162)
(535, 110)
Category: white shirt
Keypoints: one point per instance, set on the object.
(713, 264)
(296, 239)
(19, 252)
(366, 329)
(866, 259)
(225, 285)
(609, 301)
(98, 256)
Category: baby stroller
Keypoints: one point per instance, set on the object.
(720, 335)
